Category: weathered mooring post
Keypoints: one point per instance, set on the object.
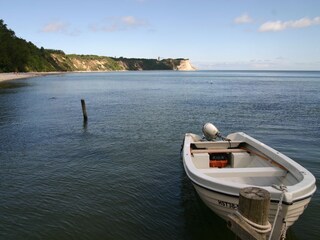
(251, 219)
(84, 110)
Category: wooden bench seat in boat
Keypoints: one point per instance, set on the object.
(224, 144)
(218, 150)
(244, 172)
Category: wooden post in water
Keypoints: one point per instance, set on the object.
(84, 110)
(253, 212)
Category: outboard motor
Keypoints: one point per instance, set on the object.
(210, 131)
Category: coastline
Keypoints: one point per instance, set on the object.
(23, 75)
(14, 76)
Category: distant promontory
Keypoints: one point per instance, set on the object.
(18, 55)
(74, 62)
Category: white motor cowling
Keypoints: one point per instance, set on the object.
(210, 131)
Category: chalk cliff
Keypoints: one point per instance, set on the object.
(185, 65)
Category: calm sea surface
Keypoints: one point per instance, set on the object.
(120, 176)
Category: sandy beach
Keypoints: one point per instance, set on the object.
(14, 76)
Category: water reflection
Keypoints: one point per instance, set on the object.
(85, 126)
(12, 85)
(200, 221)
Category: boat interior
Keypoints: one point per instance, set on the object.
(236, 161)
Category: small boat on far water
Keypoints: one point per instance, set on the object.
(218, 170)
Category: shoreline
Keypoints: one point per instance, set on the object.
(4, 77)
(14, 76)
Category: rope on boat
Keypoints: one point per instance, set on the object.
(284, 231)
(257, 227)
(283, 189)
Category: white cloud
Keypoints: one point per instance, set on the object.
(59, 27)
(132, 21)
(114, 24)
(54, 27)
(276, 26)
(244, 18)
(278, 63)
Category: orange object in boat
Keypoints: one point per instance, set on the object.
(218, 163)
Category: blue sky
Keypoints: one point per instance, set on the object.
(213, 34)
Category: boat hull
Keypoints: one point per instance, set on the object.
(223, 205)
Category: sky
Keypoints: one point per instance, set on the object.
(213, 34)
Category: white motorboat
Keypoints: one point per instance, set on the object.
(218, 170)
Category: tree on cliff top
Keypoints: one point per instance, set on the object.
(13, 56)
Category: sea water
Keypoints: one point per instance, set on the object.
(120, 176)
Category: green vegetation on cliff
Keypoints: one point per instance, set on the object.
(18, 55)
